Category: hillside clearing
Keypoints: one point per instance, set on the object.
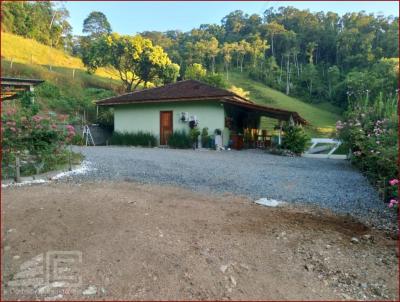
(321, 116)
(19, 49)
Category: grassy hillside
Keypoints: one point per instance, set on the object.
(19, 49)
(68, 88)
(321, 116)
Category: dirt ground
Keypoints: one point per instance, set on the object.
(147, 242)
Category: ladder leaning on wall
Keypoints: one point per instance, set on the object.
(87, 136)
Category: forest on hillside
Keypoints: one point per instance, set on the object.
(315, 56)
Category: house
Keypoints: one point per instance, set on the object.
(172, 107)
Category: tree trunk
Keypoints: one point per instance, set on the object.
(272, 45)
(287, 76)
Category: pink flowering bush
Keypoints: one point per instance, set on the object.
(394, 201)
(40, 137)
(371, 135)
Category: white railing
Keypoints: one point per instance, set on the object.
(330, 145)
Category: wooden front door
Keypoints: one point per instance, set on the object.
(165, 126)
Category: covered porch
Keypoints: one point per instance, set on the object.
(251, 126)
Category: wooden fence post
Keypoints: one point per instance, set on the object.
(69, 158)
(17, 169)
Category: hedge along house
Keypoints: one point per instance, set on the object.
(163, 110)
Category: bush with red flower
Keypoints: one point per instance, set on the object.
(34, 138)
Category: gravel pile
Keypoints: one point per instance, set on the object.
(328, 183)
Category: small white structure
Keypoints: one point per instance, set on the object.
(269, 202)
(218, 143)
(329, 144)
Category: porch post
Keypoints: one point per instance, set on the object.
(279, 134)
(32, 90)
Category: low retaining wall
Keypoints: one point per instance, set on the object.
(101, 136)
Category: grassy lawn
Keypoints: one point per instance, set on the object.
(321, 116)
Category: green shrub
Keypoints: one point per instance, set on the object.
(370, 131)
(140, 138)
(194, 135)
(77, 140)
(106, 118)
(180, 140)
(295, 139)
(205, 138)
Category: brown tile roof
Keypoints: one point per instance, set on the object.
(183, 90)
(195, 90)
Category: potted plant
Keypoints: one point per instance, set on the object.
(194, 134)
(205, 139)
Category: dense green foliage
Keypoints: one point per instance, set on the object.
(180, 140)
(96, 24)
(61, 92)
(135, 58)
(317, 56)
(294, 139)
(144, 139)
(370, 131)
(205, 138)
(39, 20)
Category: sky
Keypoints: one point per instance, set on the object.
(133, 17)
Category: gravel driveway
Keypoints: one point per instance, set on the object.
(329, 183)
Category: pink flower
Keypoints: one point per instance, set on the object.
(393, 182)
(11, 111)
(54, 126)
(37, 118)
(70, 128)
(392, 203)
(13, 129)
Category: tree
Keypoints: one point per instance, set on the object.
(227, 50)
(96, 24)
(169, 73)
(310, 76)
(135, 58)
(257, 49)
(243, 47)
(273, 29)
(43, 21)
(195, 72)
(333, 79)
(210, 49)
(271, 71)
